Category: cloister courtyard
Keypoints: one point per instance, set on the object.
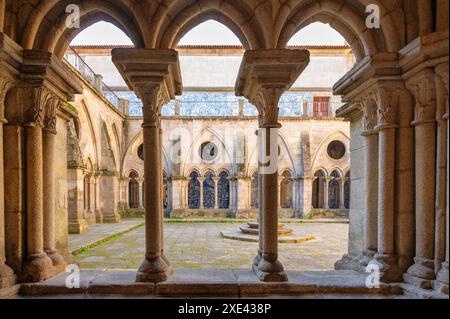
(199, 245)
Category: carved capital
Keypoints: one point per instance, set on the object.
(35, 113)
(387, 100)
(266, 100)
(153, 99)
(50, 114)
(369, 109)
(423, 88)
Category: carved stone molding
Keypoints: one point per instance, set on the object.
(387, 101)
(369, 109)
(50, 114)
(423, 88)
(35, 114)
(5, 84)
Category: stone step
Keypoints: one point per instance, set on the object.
(255, 225)
(255, 231)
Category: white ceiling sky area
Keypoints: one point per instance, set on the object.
(214, 71)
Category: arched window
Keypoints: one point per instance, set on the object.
(87, 192)
(133, 190)
(318, 189)
(334, 190)
(224, 190)
(347, 191)
(286, 190)
(194, 191)
(209, 198)
(254, 191)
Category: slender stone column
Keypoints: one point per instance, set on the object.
(442, 277)
(423, 88)
(7, 277)
(97, 208)
(326, 194)
(269, 267)
(49, 133)
(154, 268)
(140, 192)
(37, 264)
(387, 100)
(371, 181)
(263, 77)
(201, 181)
(216, 192)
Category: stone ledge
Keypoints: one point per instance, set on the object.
(240, 283)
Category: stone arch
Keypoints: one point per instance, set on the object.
(335, 189)
(235, 15)
(338, 135)
(318, 189)
(50, 17)
(93, 136)
(192, 150)
(348, 19)
(283, 141)
(286, 189)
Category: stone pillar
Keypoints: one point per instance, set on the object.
(7, 277)
(49, 179)
(371, 181)
(423, 88)
(442, 277)
(216, 192)
(37, 265)
(387, 100)
(97, 207)
(77, 223)
(326, 193)
(140, 201)
(263, 77)
(269, 267)
(201, 180)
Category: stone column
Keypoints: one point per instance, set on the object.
(371, 181)
(442, 277)
(423, 88)
(37, 265)
(7, 277)
(326, 193)
(263, 77)
(201, 180)
(387, 100)
(154, 268)
(97, 208)
(269, 267)
(140, 201)
(49, 133)
(216, 192)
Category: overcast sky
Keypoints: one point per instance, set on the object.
(208, 33)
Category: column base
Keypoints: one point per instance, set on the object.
(366, 257)
(387, 263)
(270, 271)
(349, 263)
(421, 274)
(112, 218)
(7, 277)
(441, 283)
(57, 260)
(90, 218)
(78, 226)
(98, 217)
(36, 268)
(257, 259)
(154, 270)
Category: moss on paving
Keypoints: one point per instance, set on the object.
(86, 248)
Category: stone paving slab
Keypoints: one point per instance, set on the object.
(200, 246)
(97, 232)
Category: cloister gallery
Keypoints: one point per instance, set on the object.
(89, 134)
